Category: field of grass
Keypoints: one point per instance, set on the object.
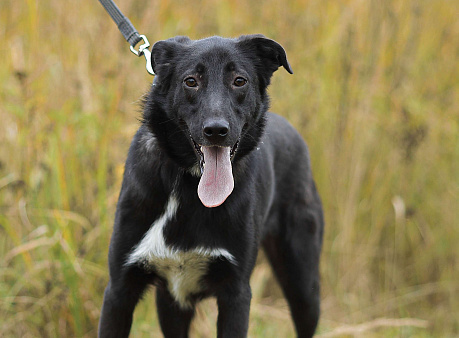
(375, 93)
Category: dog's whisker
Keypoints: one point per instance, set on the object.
(167, 121)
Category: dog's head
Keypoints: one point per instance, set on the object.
(208, 103)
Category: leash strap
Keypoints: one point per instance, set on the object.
(129, 32)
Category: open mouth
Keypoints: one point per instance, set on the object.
(198, 150)
(216, 182)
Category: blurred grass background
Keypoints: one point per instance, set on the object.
(375, 93)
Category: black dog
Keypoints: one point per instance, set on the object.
(210, 176)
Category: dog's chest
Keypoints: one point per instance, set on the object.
(182, 270)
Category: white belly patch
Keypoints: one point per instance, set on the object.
(182, 270)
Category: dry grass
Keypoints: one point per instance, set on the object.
(375, 93)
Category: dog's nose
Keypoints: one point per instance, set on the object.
(216, 130)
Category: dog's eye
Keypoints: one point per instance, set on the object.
(239, 81)
(191, 82)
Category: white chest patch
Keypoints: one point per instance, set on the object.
(182, 270)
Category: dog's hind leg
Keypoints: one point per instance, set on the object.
(174, 321)
(293, 251)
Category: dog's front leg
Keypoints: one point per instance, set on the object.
(118, 309)
(174, 320)
(233, 311)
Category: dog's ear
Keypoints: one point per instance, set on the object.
(269, 55)
(164, 52)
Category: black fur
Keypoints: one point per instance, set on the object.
(274, 203)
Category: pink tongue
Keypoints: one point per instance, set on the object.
(216, 182)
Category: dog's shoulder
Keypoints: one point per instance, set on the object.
(144, 161)
(143, 143)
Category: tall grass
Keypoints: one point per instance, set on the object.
(375, 93)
